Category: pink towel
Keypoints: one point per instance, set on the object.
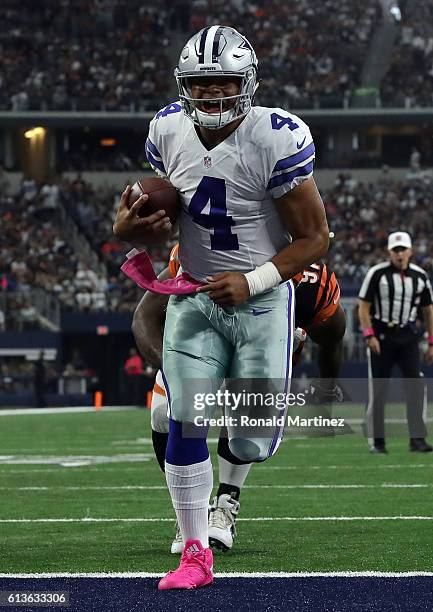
(139, 268)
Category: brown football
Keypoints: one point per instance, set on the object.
(162, 196)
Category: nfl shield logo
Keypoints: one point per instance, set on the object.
(207, 161)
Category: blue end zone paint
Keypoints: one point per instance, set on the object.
(241, 594)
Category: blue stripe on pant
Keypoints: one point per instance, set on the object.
(290, 333)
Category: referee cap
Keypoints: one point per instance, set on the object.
(401, 239)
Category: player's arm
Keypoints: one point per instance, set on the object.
(364, 313)
(303, 216)
(426, 304)
(148, 324)
(427, 312)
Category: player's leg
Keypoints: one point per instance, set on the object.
(225, 506)
(195, 360)
(328, 335)
(232, 471)
(379, 371)
(408, 360)
(232, 475)
(159, 420)
(263, 359)
(160, 426)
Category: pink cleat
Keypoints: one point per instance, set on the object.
(194, 571)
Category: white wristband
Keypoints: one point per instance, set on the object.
(263, 278)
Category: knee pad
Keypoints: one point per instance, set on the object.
(225, 453)
(159, 418)
(247, 450)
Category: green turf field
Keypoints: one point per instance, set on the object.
(114, 476)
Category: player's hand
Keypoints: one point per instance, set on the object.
(227, 288)
(429, 355)
(374, 345)
(130, 227)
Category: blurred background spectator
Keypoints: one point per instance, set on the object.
(40, 254)
(409, 80)
(100, 55)
(59, 261)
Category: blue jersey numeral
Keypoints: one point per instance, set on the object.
(169, 110)
(278, 122)
(213, 190)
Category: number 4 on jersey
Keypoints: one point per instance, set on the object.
(213, 190)
(278, 122)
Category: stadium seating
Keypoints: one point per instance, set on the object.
(362, 215)
(100, 56)
(61, 57)
(35, 254)
(311, 54)
(409, 81)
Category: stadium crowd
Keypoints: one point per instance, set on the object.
(59, 55)
(362, 215)
(310, 53)
(36, 250)
(76, 55)
(409, 80)
(101, 55)
(35, 253)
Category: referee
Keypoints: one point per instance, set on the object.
(390, 296)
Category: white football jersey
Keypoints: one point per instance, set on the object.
(229, 221)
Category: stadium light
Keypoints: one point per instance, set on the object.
(34, 132)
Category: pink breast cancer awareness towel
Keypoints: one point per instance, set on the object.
(139, 268)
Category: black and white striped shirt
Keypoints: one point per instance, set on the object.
(396, 294)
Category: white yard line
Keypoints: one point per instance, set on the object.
(66, 410)
(339, 466)
(74, 460)
(254, 519)
(364, 574)
(256, 486)
(265, 468)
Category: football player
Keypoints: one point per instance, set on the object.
(251, 219)
(319, 310)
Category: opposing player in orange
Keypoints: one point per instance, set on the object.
(318, 311)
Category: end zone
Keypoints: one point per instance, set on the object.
(336, 591)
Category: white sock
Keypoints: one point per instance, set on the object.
(190, 487)
(232, 474)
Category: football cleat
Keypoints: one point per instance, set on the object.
(177, 544)
(419, 445)
(222, 522)
(378, 450)
(194, 571)
(322, 394)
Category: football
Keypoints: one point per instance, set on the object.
(162, 196)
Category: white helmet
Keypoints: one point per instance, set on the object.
(217, 51)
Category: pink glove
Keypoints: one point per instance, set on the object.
(139, 268)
